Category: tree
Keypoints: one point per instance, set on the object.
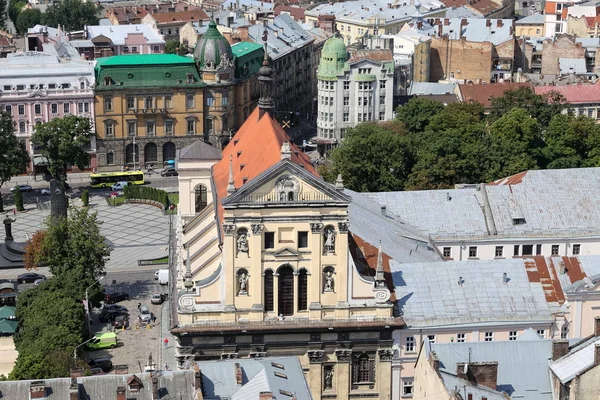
(72, 15)
(14, 9)
(34, 251)
(62, 142)
(28, 19)
(85, 198)
(417, 113)
(514, 145)
(13, 157)
(2, 14)
(174, 47)
(540, 107)
(18, 199)
(373, 157)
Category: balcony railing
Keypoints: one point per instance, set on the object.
(282, 198)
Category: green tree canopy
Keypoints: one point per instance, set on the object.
(72, 15)
(14, 9)
(174, 47)
(28, 19)
(14, 157)
(417, 113)
(373, 157)
(62, 142)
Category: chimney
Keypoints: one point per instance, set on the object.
(446, 21)
(76, 372)
(238, 374)
(463, 22)
(499, 23)
(488, 23)
(121, 369)
(440, 30)
(434, 361)
(419, 24)
(597, 354)
(384, 210)
(37, 390)
(74, 390)
(597, 326)
(229, 22)
(121, 393)
(480, 373)
(265, 396)
(242, 32)
(560, 347)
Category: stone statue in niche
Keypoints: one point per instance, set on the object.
(329, 377)
(242, 242)
(287, 188)
(329, 240)
(243, 280)
(329, 282)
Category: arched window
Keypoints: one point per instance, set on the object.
(285, 291)
(22, 127)
(82, 85)
(130, 150)
(110, 158)
(363, 369)
(150, 153)
(268, 288)
(302, 290)
(201, 198)
(168, 151)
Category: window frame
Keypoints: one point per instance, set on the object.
(269, 243)
(409, 344)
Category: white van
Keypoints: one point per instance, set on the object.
(163, 276)
(119, 185)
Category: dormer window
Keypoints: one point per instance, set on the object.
(107, 81)
(518, 221)
(135, 384)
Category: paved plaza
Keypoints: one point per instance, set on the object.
(136, 231)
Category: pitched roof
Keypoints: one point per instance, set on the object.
(144, 59)
(533, 19)
(485, 92)
(180, 16)
(574, 94)
(522, 364)
(291, 37)
(199, 150)
(255, 147)
(576, 361)
(373, 55)
(296, 12)
(429, 294)
(118, 33)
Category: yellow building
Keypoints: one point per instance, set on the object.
(532, 26)
(269, 264)
(146, 107)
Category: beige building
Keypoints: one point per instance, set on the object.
(532, 25)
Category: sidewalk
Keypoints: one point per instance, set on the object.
(167, 354)
(39, 182)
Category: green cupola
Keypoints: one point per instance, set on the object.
(213, 51)
(334, 59)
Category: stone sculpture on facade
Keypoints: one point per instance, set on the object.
(329, 282)
(243, 281)
(329, 240)
(242, 242)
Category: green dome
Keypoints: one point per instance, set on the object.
(211, 47)
(334, 57)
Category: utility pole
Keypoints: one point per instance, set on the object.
(134, 152)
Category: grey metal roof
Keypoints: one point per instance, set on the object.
(104, 387)
(476, 30)
(589, 43)
(522, 364)
(428, 294)
(461, 12)
(199, 150)
(364, 11)
(554, 203)
(269, 374)
(118, 33)
(429, 88)
(399, 240)
(285, 35)
(531, 19)
(572, 66)
(576, 361)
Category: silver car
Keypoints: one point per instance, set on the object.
(145, 315)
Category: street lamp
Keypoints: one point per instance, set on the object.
(87, 305)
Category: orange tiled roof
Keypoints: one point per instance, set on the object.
(255, 147)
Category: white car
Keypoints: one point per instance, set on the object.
(145, 315)
(156, 275)
(119, 186)
(24, 188)
(45, 191)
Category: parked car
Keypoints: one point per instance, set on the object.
(119, 186)
(29, 277)
(113, 307)
(111, 316)
(102, 363)
(45, 191)
(38, 281)
(24, 188)
(121, 321)
(106, 340)
(158, 298)
(144, 314)
(156, 275)
(114, 297)
(169, 171)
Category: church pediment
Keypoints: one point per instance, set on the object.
(286, 184)
(286, 252)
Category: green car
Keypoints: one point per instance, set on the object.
(104, 341)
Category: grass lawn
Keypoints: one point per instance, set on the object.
(174, 198)
(117, 201)
(164, 260)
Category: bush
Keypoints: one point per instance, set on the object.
(19, 199)
(126, 191)
(85, 198)
(147, 193)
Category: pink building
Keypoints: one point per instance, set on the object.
(36, 87)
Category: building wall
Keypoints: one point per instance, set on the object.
(561, 47)
(577, 26)
(334, 116)
(427, 381)
(421, 62)
(529, 30)
(293, 81)
(586, 387)
(119, 117)
(472, 59)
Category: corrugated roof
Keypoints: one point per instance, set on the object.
(496, 31)
(429, 294)
(431, 88)
(522, 365)
(574, 94)
(485, 92)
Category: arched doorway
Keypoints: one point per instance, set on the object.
(129, 150)
(168, 151)
(286, 291)
(150, 154)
